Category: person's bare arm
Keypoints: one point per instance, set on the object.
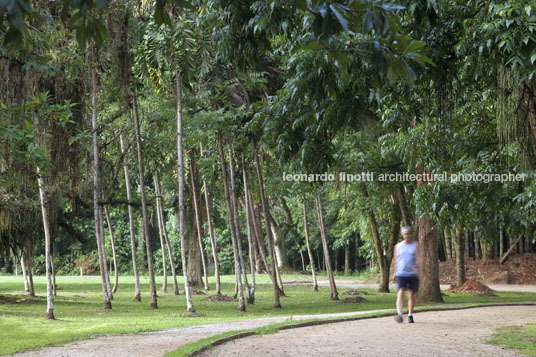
(394, 263)
(418, 260)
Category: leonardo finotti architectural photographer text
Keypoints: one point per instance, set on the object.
(405, 177)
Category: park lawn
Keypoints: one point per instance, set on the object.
(80, 314)
(521, 338)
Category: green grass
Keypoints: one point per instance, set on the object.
(521, 338)
(80, 314)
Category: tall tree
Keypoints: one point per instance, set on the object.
(112, 244)
(137, 293)
(198, 218)
(250, 231)
(213, 242)
(306, 231)
(323, 236)
(164, 230)
(234, 206)
(96, 188)
(46, 228)
(180, 163)
(141, 174)
(232, 227)
(277, 303)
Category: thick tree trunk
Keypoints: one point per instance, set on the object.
(428, 263)
(141, 173)
(112, 242)
(198, 219)
(460, 258)
(46, 227)
(180, 163)
(427, 258)
(323, 236)
(308, 243)
(213, 241)
(161, 233)
(250, 230)
(195, 270)
(96, 191)
(238, 275)
(162, 221)
(137, 291)
(277, 303)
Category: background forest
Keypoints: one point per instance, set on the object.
(150, 138)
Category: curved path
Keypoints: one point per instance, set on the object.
(439, 333)
(158, 343)
(443, 333)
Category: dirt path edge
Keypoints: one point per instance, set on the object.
(219, 340)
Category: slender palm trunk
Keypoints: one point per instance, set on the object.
(198, 219)
(162, 249)
(250, 229)
(277, 303)
(46, 227)
(308, 243)
(238, 276)
(53, 271)
(323, 236)
(29, 262)
(460, 262)
(213, 242)
(96, 191)
(112, 243)
(24, 273)
(137, 292)
(234, 205)
(164, 230)
(103, 245)
(150, 264)
(161, 233)
(258, 236)
(180, 163)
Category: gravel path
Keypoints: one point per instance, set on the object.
(158, 343)
(444, 333)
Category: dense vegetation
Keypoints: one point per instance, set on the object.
(153, 138)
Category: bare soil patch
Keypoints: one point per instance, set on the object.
(223, 298)
(354, 299)
(196, 292)
(355, 292)
(517, 269)
(473, 287)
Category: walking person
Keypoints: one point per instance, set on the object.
(406, 273)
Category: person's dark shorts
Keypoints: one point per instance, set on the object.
(408, 282)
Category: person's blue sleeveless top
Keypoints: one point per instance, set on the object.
(406, 259)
